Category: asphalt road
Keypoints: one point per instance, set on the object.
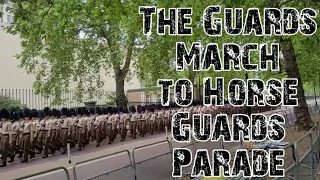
(158, 168)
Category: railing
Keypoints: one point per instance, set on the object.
(30, 99)
(123, 172)
(305, 164)
(300, 164)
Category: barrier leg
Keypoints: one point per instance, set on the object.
(69, 152)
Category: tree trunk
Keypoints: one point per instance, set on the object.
(121, 98)
(303, 119)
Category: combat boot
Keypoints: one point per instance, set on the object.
(3, 164)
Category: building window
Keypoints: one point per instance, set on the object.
(9, 18)
(148, 98)
(141, 84)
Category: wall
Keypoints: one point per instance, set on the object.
(12, 77)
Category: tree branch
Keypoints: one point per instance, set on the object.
(285, 2)
(44, 15)
(127, 63)
(115, 66)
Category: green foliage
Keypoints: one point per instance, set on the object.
(7, 103)
(111, 99)
(74, 42)
(3, 1)
(160, 50)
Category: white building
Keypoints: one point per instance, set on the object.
(6, 17)
(16, 83)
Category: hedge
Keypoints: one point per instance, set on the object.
(7, 103)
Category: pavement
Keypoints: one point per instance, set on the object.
(158, 168)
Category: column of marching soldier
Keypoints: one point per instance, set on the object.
(26, 132)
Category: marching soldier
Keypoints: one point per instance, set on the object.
(73, 128)
(159, 120)
(115, 122)
(133, 121)
(46, 131)
(153, 117)
(92, 131)
(6, 136)
(98, 126)
(162, 110)
(156, 120)
(173, 111)
(34, 122)
(52, 130)
(41, 133)
(139, 118)
(109, 124)
(166, 117)
(20, 132)
(122, 123)
(127, 121)
(14, 130)
(143, 121)
(65, 129)
(104, 122)
(85, 125)
(147, 119)
(27, 135)
(58, 124)
(80, 128)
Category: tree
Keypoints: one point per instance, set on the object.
(290, 46)
(296, 51)
(160, 50)
(1, 3)
(111, 31)
(71, 42)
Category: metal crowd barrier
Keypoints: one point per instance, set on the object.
(304, 166)
(106, 175)
(148, 164)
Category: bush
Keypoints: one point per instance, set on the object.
(7, 103)
(111, 99)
